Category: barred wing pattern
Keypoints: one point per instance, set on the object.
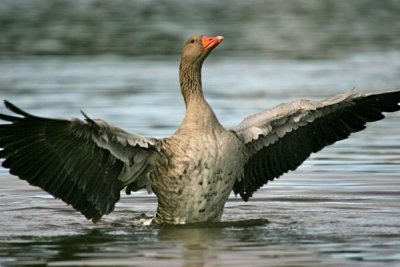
(83, 162)
(281, 138)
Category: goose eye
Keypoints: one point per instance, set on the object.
(192, 41)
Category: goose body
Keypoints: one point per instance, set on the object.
(86, 163)
(197, 192)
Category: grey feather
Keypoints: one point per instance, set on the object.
(85, 163)
(280, 139)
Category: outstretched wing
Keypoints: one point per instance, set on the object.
(281, 138)
(84, 162)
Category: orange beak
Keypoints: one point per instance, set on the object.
(211, 42)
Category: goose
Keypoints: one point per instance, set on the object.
(88, 162)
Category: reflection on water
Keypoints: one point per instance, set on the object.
(289, 240)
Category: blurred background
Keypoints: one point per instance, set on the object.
(118, 58)
(300, 29)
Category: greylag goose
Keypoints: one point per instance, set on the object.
(86, 163)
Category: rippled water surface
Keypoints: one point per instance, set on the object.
(340, 208)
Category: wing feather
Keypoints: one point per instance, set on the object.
(84, 163)
(280, 139)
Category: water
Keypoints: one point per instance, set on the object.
(272, 28)
(340, 208)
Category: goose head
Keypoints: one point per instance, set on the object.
(197, 47)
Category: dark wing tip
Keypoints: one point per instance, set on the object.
(57, 156)
(87, 118)
(386, 102)
(96, 219)
(288, 152)
(9, 118)
(245, 196)
(16, 110)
